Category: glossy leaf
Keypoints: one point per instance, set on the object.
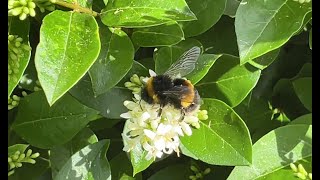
(44, 127)
(69, 45)
(220, 38)
(203, 65)
(59, 155)
(114, 61)
(303, 88)
(231, 8)
(259, 32)
(136, 13)
(163, 35)
(88, 163)
(222, 139)
(304, 119)
(21, 29)
(166, 56)
(265, 60)
(17, 147)
(276, 150)
(228, 81)
(109, 104)
(176, 172)
(208, 13)
(121, 168)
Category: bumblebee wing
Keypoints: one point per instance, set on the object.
(176, 92)
(185, 64)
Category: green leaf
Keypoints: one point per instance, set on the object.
(265, 60)
(69, 45)
(44, 127)
(88, 163)
(138, 160)
(136, 13)
(59, 155)
(176, 172)
(304, 119)
(20, 28)
(310, 39)
(287, 173)
(276, 150)
(166, 56)
(208, 13)
(303, 88)
(220, 38)
(231, 8)
(203, 65)
(114, 61)
(223, 139)
(121, 168)
(163, 35)
(228, 81)
(259, 32)
(17, 147)
(109, 104)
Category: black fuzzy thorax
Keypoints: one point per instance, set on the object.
(160, 84)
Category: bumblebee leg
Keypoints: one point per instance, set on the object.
(182, 114)
(140, 105)
(160, 110)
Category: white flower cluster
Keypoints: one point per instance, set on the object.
(148, 131)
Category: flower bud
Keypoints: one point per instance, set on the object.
(18, 164)
(32, 12)
(35, 155)
(24, 94)
(31, 161)
(10, 172)
(302, 170)
(21, 157)
(194, 169)
(294, 167)
(31, 5)
(23, 16)
(26, 10)
(300, 175)
(23, 2)
(16, 11)
(11, 165)
(207, 171)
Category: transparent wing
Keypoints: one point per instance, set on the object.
(185, 64)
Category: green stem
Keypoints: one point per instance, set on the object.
(75, 7)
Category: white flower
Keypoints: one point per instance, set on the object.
(147, 130)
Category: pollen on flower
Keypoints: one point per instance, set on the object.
(149, 131)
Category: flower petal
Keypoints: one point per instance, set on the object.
(126, 115)
(149, 134)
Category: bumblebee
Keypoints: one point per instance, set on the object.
(170, 88)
